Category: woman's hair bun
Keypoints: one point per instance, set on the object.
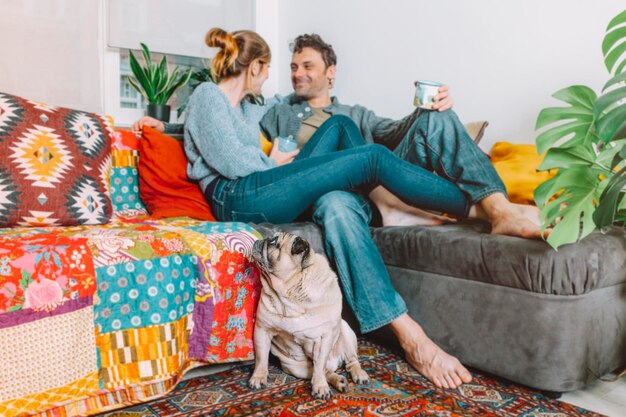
(219, 38)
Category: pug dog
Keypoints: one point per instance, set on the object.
(299, 317)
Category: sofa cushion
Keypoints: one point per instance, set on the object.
(163, 184)
(468, 251)
(124, 176)
(54, 165)
(517, 166)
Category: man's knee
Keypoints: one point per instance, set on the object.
(341, 206)
(443, 121)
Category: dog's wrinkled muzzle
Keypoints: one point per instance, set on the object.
(259, 252)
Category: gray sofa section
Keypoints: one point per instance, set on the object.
(512, 307)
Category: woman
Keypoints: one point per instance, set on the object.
(241, 183)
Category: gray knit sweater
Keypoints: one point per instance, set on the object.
(222, 140)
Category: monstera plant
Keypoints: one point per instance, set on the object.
(586, 143)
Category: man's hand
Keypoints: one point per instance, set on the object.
(443, 101)
(147, 121)
(282, 158)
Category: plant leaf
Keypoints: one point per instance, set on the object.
(143, 84)
(610, 111)
(611, 155)
(577, 119)
(614, 44)
(146, 54)
(619, 78)
(579, 155)
(608, 125)
(610, 199)
(570, 197)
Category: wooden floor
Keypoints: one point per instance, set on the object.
(603, 397)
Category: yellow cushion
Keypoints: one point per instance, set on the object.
(266, 145)
(517, 166)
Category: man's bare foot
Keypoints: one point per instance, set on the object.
(392, 216)
(509, 219)
(522, 221)
(443, 370)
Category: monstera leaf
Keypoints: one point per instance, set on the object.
(568, 202)
(610, 110)
(576, 121)
(614, 44)
(611, 198)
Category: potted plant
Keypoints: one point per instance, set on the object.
(586, 143)
(155, 83)
(197, 77)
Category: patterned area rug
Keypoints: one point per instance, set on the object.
(395, 390)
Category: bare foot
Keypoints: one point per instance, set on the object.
(521, 220)
(509, 219)
(395, 212)
(443, 370)
(392, 216)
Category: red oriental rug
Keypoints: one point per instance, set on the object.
(395, 390)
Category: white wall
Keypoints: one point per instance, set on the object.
(502, 59)
(50, 51)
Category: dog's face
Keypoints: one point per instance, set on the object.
(282, 255)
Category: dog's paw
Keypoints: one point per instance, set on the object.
(257, 382)
(342, 384)
(321, 392)
(359, 376)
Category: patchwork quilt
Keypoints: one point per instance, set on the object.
(94, 318)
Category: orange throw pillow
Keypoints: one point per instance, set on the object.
(517, 166)
(164, 187)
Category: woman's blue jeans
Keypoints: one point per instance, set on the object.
(281, 194)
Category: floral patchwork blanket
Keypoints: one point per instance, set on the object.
(93, 318)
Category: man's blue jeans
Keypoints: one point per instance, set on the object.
(438, 142)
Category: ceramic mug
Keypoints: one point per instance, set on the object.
(425, 91)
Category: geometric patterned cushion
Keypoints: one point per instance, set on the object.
(54, 165)
(124, 176)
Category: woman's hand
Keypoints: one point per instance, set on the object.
(443, 100)
(147, 121)
(282, 158)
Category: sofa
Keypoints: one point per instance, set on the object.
(94, 317)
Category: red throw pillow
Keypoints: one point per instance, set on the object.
(54, 165)
(164, 187)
